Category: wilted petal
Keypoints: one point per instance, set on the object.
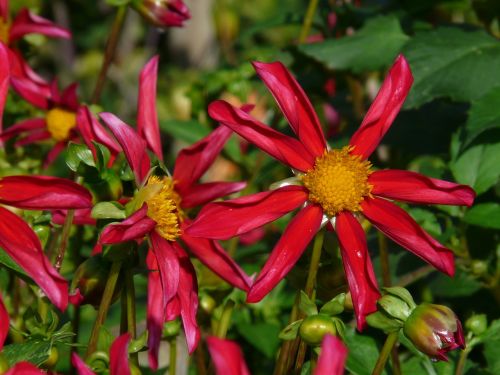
(135, 227)
(223, 220)
(155, 311)
(4, 323)
(147, 116)
(384, 109)
(332, 357)
(227, 357)
(357, 266)
(119, 356)
(286, 149)
(413, 187)
(287, 251)
(29, 23)
(402, 229)
(200, 194)
(23, 246)
(294, 104)
(43, 193)
(80, 366)
(193, 161)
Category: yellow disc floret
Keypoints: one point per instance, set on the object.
(339, 181)
(60, 122)
(164, 208)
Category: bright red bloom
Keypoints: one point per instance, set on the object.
(161, 204)
(334, 185)
(25, 368)
(227, 357)
(332, 358)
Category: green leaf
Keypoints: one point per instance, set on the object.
(290, 331)
(262, 336)
(484, 215)
(381, 321)
(478, 167)
(8, 262)
(484, 114)
(138, 344)
(103, 155)
(335, 306)
(491, 340)
(34, 351)
(306, 305)
(79, 154)
(186, 131)
(459, 286)
(117, 3)
(363, 353)
(373, 47)
(108, 210)
(452, 63)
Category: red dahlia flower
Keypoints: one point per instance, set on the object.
(161, 205)
(330, 185)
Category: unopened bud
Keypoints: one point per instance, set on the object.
(162, 13)
(315, 327)
(477, 324)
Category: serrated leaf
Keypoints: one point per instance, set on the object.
(335, 306)
(484, 114)
(290, 331)
(484, 215)
(78, 154)
(373, 47)
(306, 305)
(452, 63)
(108, 210)
(34, 351)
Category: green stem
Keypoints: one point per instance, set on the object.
(225, 319)
(75, 325)
(131, 316)
(200, 361)
(390, 341)
(61, 251)
(306, 26)
(173, 357)
(284, 354)
(109, 52)
(104, 306)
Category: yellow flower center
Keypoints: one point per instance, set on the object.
(164, 207)
(60, 122)
(4, 31)
(338, 181)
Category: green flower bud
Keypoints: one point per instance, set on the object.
(477, 324)
(315, 327)
(171, 329)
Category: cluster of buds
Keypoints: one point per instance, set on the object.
(433, 329)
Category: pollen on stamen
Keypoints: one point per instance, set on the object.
(339, 181)
(164, 208)
(60, 122)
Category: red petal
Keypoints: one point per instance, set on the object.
(132, 144)
(43, 193)
(25, 368)
(69, 97)
(147, 116)
(200, 194)
(168, 265)
(4, 9)
(23, 126)
(402, 229)
(223, 220)
(294, 104)
(23, 246)
(227, 357)
(287, 251)
(80, 366)
(155, 311)
(193, 161)
(357, 266)
(29, 23)
(34, 136)
(20, 69)
(30, 92)
(81, 217)
(4, 323)
(4, 80)
(384, 108)
(212, 255)
(54, 153)
(135, 227)
(286, 149)
(119, 356)
(415, 188)
(188, 299)
(332, 358)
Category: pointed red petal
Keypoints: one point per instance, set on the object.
(29, 23)
(287, 251)
(147, 116)
(193, 161)
(4, 9)
(34, 136)
(135, 227)
(30, 92)
(80, 366)
(54, 153)
(413, 187)
(223, 220)
(23, 126)
(43, 193)
(200, 194)
(402, 229)
(294, 104)
(212, 255)
(227, 357)
(384, 109)
(25, 368)
(119, 356)
(4, 80)
(286, 149)
(155, 311)
(23, 246)
(332, 358)
(357, 266)
(4, 323)
(132, 144)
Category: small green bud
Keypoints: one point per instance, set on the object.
(171, 329)
(207, 303)
(479, 267)
(315, 327)
(477, 324)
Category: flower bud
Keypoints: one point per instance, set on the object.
(434, 330)
(162, 13)
(315, 327)
(477, 324)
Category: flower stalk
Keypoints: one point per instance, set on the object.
(61, 250)
(306, 26)
(390, 341)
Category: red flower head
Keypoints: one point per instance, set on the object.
(331, 185)
(161, 204)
